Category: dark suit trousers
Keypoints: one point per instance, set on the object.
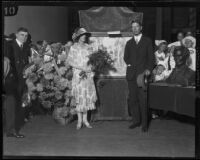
(137, 103)
(14, 113)
(9, 105)
(19, 112)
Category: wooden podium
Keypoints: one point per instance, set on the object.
(112, 99)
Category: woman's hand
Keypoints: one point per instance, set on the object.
(82, 75)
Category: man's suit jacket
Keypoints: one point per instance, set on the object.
(18, 60)
(140, 56)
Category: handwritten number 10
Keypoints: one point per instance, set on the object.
(10, 10)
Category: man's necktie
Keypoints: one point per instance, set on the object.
(136, 40)
(21, 46)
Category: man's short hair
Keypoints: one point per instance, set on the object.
(136, 21)
(22, 29)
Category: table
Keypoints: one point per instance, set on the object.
(173, 98)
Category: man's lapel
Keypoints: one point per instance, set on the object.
(141, 41)
(17, 46)
(134, 42)
(18, 51)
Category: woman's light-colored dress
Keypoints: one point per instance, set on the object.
(82, 89)
(162, 59)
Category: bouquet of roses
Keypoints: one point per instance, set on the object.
(101, 62)
(51, 84)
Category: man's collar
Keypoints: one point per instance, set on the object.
(18, 42)
(139, 35)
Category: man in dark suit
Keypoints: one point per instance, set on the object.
(139, 58)
(17, 52)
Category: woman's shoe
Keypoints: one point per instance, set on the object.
(79, 125)
(87, 125)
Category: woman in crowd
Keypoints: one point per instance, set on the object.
(160, 54)
(189, 33)
(164, 61)
(83, 88)
(190, 43)
(180, 36)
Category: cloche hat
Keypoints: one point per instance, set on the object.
(80, 32)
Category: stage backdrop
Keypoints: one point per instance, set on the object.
(115, 47)
(102, 20)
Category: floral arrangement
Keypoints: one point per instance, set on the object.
(101, 62)
(50, 82)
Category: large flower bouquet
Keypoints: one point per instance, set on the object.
(101, 62)
(50, 83)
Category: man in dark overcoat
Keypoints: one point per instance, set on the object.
(17, 52)
(139, 58)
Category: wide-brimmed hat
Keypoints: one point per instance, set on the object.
(80, 32)
(158, 42)
(190, 38)
(142, 81)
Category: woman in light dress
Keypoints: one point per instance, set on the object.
(164, 61)
(190, 43)
(83, 87)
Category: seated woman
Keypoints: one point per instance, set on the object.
(164, 61)
(160, 54)
(182, 74)
(159, 72)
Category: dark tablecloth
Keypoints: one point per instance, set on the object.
(172, 98)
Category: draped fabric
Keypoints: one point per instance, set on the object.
(104, 19)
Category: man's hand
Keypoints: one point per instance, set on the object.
(147, 72)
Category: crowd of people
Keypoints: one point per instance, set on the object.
(171, 63)
(175, 63)
(164, 56)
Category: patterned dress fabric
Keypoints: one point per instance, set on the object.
(82, 89)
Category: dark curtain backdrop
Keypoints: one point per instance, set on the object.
(104, 19)
(43, 22)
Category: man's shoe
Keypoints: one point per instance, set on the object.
(19, 135)
(134, 125)
(16, 135)
(11, 135)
